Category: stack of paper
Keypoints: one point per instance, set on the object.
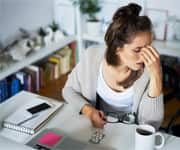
(32, 115)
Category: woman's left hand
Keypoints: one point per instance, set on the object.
(151, 60)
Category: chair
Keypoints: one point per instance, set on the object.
(170, 77)
(172, 81)
(173, 128)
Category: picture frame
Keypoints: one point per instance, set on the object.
(159, 22)
(177, 29)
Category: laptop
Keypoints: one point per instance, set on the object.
(53, 139)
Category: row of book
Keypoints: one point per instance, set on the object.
(33, 77)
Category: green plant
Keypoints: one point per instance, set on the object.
(42, 32)
(89, 7)
(54, 26)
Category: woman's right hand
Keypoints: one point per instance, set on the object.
(97, 117)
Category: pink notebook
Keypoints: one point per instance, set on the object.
(50, 139)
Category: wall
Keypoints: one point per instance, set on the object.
(0, 21)
(65, 15)
(29, 14)
(110, 6)
(173, 6)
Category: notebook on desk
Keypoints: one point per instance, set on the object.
(31, 116)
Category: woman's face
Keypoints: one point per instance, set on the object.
(130, 53)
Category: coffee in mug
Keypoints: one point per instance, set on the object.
(143, 132)
(145, 137)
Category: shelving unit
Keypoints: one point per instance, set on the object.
(35, 56)
(170, 48)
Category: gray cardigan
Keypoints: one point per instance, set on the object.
(80, 88)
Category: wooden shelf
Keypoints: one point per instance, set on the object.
(36, 56)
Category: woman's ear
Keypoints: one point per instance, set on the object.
(152, 37)
(118, 50)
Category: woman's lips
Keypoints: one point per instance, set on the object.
(140, 64)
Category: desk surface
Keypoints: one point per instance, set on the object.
(7, 144)
(118, 136)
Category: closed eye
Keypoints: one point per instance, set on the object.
(137, 50)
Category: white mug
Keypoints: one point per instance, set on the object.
(145, 136)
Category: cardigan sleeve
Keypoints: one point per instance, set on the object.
(80, 86)
(151, 110)
(78, 82)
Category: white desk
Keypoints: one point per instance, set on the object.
(119, 136)
(7, 144)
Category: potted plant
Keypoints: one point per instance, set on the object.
(57, 34)
(90, 8)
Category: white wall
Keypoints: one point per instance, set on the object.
(0, 21)
(173, 6)
(29, 14)
(65, 15)
(109, 7)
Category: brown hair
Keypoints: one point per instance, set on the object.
(126, 23)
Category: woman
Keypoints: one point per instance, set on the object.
(124, 76)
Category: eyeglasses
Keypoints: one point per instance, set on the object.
(113, 117)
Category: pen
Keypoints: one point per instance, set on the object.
(33, 116)
(40, 147)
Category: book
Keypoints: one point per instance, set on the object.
(41, 76)
(33, 114)
(65, 54)
(57, 61)
(32, 80)
(3, 90)
(36, 70)
(22, 78)
(49, 72)
(28, 82)
(14, 86)
(42, 68)
(73, 57)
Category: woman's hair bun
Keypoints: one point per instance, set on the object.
(132, 9)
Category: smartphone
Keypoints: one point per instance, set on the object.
(38, 108)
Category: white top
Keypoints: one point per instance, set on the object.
(117, 99)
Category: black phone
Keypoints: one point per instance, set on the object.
(38, 108)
